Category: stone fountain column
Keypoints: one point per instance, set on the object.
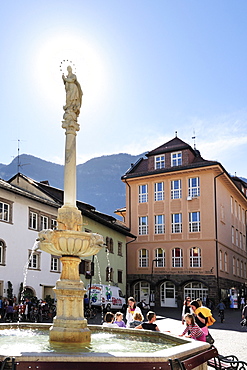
(69, 241)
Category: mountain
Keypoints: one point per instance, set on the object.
(98, 180)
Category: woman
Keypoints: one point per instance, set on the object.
(201, 315)
(131, 310)
(186, 308)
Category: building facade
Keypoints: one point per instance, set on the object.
(28, 206)
(189, 216)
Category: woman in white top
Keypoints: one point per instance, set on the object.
(131, 310)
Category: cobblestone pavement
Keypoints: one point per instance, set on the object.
(230, 337)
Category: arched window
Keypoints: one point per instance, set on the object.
(226, 262)
(160, 257)
(143, 258)
(2, 252)
(177, 257)
(195, 290)
(221, 260)
(195, 257)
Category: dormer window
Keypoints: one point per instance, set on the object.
(176, 159)
(159, 162)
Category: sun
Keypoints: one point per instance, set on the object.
(88, 61)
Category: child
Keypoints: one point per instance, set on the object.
(138, 319)
(151, 316)
(195, 332)
(109, 317)
(119, 320)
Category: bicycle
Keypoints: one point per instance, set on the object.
(90, 313)
(221, 315)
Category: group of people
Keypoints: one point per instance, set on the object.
(197, 319)
(195, 316)
(134, 318)
(26, 310)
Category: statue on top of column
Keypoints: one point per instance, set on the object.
(73, 97)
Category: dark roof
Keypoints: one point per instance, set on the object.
(172, 145)
(57, 195)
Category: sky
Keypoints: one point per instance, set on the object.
(147, 68)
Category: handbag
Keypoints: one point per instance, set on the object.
(209, 339)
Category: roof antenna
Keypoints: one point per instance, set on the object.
(176, 134)
(194, 138)
(19, 165)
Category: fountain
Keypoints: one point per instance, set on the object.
(70, 335)
(69, 241)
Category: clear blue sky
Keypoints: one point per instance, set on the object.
(147, 69)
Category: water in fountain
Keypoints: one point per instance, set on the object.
(100, 282)
(26, 266)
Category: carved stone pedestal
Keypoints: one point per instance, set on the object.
(69, 325)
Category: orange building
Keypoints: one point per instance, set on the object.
(189, 216)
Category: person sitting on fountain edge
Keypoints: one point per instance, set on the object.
(151, 317)
(109, 317)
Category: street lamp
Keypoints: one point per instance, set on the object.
(151, 280)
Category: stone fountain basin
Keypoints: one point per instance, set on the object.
(70, 242)
(105, 361)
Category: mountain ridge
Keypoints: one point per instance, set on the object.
(98, 179)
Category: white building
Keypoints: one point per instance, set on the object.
(26, 207)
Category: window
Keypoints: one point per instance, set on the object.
(176, 191)
(33, 220)
(231, 204)
(159, 162)
(238, 267)
(55, 264)
(226, 262)
(158, 191)
(34, 260)
(119, 276)
(244, 243)
(53, 224)
(194, 187)
(159, 224)
(2, 252)
(241, 268)
(4, 212)
(43, 222)
(245, 270)
(194, 222)
(241, 240)
(236, 208)
(176, 159)
(119, 248)
(143, 258)
(237, 237)
(109, 273)
(143, 225)
(177, 223)
(195, 257)
(233, 266)
(109, 244)
(233, 235)
(160, 257)
(221, 260)
(177, 257)
(143, 193)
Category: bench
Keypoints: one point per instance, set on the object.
(197, 360)
(227, 363)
